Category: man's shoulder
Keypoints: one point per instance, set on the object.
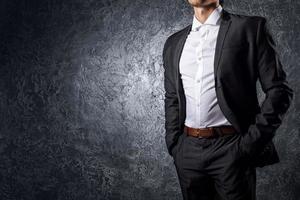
(247, 23)
(174, 36)
(179, 32)
(248, 19)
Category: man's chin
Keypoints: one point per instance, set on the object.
(205, 5)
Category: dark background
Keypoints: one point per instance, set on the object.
(81, 99)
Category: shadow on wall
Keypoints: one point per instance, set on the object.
(82, 100)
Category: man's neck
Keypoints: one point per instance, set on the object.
(202, 13)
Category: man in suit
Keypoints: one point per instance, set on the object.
(215, 129)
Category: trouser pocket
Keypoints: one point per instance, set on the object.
(242, 154)
(177, 147)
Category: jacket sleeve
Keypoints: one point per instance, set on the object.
(171, 103)
(278, 94)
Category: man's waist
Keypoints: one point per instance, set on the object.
(207, 132)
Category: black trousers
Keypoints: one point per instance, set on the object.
(214, 169)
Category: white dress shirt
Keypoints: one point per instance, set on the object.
(196, 67)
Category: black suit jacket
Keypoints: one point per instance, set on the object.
(245, 52)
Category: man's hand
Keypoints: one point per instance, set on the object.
(278, 94)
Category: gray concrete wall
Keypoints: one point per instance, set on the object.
(81, 99)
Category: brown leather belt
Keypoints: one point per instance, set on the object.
(209, 131)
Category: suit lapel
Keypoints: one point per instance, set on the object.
(177, 56)
(224, 26)
(179, 86)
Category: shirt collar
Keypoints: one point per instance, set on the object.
(212, 18)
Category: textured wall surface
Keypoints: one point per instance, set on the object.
(81, 99)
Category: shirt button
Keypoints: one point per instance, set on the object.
(198, 81)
